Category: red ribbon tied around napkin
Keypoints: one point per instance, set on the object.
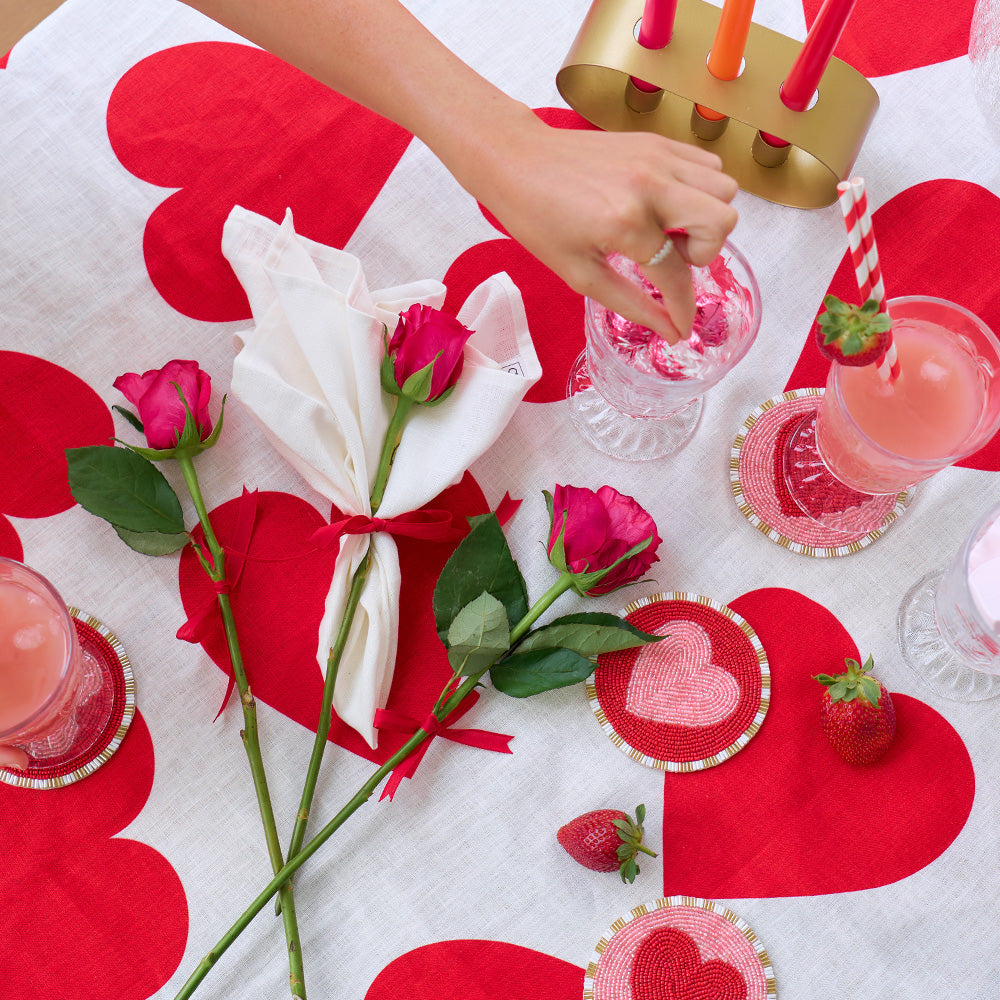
(236, 557)
(397, 722)
(428, 525)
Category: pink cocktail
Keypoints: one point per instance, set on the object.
(45, 675)
(872, 437)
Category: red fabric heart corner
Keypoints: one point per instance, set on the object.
(892, 36)
(757, 826)
(87, 915)
(228, 125)
(477, 970)
(937, 238)
(668, 966)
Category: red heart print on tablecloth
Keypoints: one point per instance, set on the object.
(757, 825)
(937, 238)
(278, 604)
(45, 410)
(87, 914)
(229, 125)
(668, 966)
(477, 970)
(892, 36)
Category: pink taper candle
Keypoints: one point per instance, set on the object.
(813, 58)
(655, 30)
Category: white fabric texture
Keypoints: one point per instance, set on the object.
(309, 373)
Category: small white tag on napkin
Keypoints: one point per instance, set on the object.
(309, 373)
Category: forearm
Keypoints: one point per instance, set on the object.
(378, 54)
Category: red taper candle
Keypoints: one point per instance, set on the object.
(655, 30)
(813, 58)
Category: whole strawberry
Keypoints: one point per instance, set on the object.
(852, 335)
(606, 840)
(858, 716)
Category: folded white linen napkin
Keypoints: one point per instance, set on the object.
(309, 373)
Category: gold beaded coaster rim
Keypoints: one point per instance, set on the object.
(774, 534)
(125, 687)
(692, 902)
(741, 741)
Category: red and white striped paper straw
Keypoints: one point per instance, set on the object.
(864, 255)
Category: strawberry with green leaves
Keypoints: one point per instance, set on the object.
(858, 716)
(852, 335)
(606, 840)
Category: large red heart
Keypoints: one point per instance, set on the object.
(108, 915)
(229, 124)
(278, 604)
(759, 824)
(937, 238)
(896, 35)
(668, 966)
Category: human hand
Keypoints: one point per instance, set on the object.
(572, 197)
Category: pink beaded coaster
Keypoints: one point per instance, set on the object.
(679, 948)
(693, 699)
(759, 489)
(102, 725)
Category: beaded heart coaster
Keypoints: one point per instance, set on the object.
(691, 700)
(679, 948)
(102, 720)
(758, 483)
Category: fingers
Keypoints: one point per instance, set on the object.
(614, 291)
(672, 277)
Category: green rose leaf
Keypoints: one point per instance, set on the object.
(130, 417)
(124, 488)
(152, 543)
(478, 635)
(588, 633)
(481, 563)
(521, 675)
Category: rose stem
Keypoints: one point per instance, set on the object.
(390, 442)
(444, 707)
(249, 734)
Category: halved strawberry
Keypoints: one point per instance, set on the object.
(852, 335)
(857, 712)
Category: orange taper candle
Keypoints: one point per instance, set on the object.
(727, 50)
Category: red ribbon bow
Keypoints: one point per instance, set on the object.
(236, 556)
(397, 722)
(429, 525)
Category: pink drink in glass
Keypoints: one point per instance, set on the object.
(41, 668)
(880, 436)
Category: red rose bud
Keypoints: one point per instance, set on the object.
(157, 396)
(427, 338)
(605, 538)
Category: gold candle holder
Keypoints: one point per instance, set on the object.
(824, 140)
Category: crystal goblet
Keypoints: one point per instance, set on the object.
(635, 397)
(948, 624)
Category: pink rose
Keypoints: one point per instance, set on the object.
(426, 336)
(155, 395)
(591, 531)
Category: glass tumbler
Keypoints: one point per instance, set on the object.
(948, 625)
(54, 700)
